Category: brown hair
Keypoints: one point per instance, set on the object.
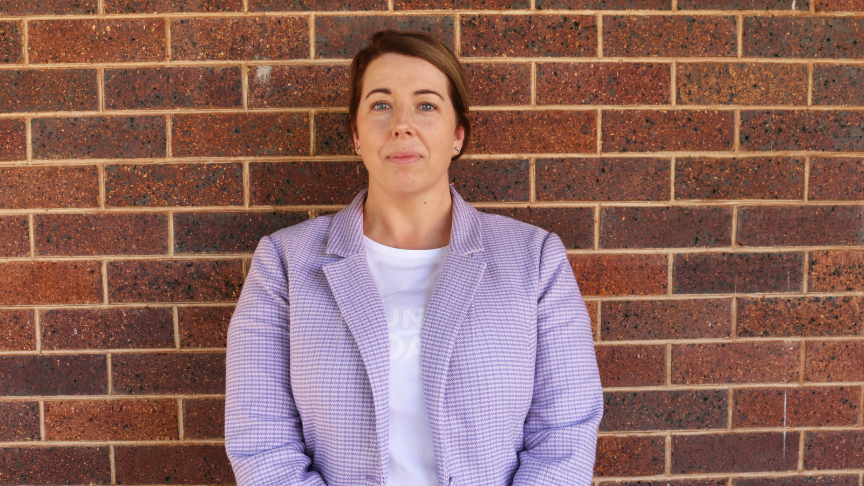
(414, 44)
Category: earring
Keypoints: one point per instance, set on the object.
(357, 149)
(456, 149)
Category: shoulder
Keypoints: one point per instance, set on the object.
(501, 232)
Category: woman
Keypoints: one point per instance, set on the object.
(327, 382)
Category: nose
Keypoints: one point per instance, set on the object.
(403, 121)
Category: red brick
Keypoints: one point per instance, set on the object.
(678, 482)
(28, 375)
(48, 90)
(296, 86)
(839, 6)
(301, 183)
(234, 232)
(174, 185)
(331, 134)
(800, 316)
(99, 137)
(602, 179)
(48, 7)
(575, 226)
(159, 6)
(591, 306)
(49, 187)
(112, 328)
(620, 274)
(17, 330)
(164, 373)
(11, 42)
(604, 4)
(662, 131)
(503, 132)
(204, 327)
(835, 361)
(837, 178)
(492, 180)
(498, 83)
(799, 5)
(667, 36)
(342, 36)
(13, 139)
(461, 4)
(204, 418)
(317, 5)
(796, 407)
(712, 273)
(174, 280)
(603, 84)
(101, 234)
(528, 35)
(847, 480)
(800, 225)
(660, 227)
(743, 452)
(666, 319)
(14, 236)
(631, 365)
(802, 130)
(20, 422)
(40, 283)
(56, 465)
(828, 449)
(101, 420)
(629, 456)
(236, 135)
(239, 38)
(699, 364)
(838, 84)
(105, 40)
(664, 410)
(180, 464)
(742, 84)
(173, 88)
(803, 37)
(736, 178)
(836, 271)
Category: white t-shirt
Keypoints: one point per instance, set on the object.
(405, 279)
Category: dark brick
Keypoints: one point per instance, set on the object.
(662, 131)
(503, 132)
(742, 84)
(798, 481)
(620, 274)
(604, 4)
(575, 226)
(40, 283)
(735, 178)
(491, 180)
(301, 183)
(630, 456)
(112, 328)
(174, 280)
(204, 418)
(342, 36)
(720, 273)
(20, 421)
(101, 234)
(498, 84)
(14, 236)
(602, 179)
(661, 227)
(239, 38)
(100, 420)
(664, 410)
(160, 6)
(839, 6)
(799, 5)
(800, 225)
(234, 232)
(802, 130)
(179, 464)
(104, 40)
(803, 37)
(528, 36)
(99, 137)
(591, 306)
(173, 88)
(174, 185)
(28, 375)
(800, 316)
(631, 365)
(838, 85)
(837, 178)
(829, 449)
(17, 330)
(668, 36)
(796, 407)
(49, 187)
(315, 5)
(603, 84)
(48, 7)
(836, 271)
(235, 135)
(666, 319)
(835, 361)
(11, 42)
(743, 452)
(298, 86)
(204, 327)
(764, 362)
(48, 90)
(678, 482)
(461, 4)
(13, 139)
(331, 134)
(164, 373)
(55, 465)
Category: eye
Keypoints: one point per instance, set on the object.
(380, 105)
(425, 106)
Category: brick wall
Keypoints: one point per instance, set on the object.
(703, 160)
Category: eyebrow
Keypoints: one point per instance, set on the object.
(418, 92)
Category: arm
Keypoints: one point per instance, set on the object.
(561, 426)
(263, 433)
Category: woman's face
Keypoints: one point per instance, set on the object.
(406, 125)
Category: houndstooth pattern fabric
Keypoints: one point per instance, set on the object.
(509, 372)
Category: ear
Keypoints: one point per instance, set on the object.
(356, 141)
(459, 136)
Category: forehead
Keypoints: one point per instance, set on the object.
(397, 72)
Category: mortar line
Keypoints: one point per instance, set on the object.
(532, 180)
(169, 136)
(245, 6)
(673, 84)
(113, 466)
(599, 317)
(175, 316)
(599, 27)
(312, 132)
(802, 438)
(734, 244)
(100, 171)
(667, 452)
(457, 32)
(734, 319)
(100, 89)
(170, 233)
(668, 365)
(673, 164)
(597, 208)
(31, 230)
(599, 131)
(802, 357)
(810, 83)
(103, 267)
(674, 5)
(41, 420)
(736, 147)
(730, 408)
(244, 85)
(181, 431)
(805, 285)
(247, 187)
(100, 7)
(25, 41)
(28, 138)
(532, 6)
(807, 162)
(670, 273)
(312, 33)
(533, 72)
(110, 374)
(812, 6)
(739, 27)
(37, 328)
(167, 39)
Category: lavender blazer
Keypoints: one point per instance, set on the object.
(509, 372)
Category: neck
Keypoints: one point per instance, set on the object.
(410, 221)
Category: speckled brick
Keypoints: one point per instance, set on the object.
(42, 283)
(39, 465)
(176, 464)
(173, 88)
(301, 183)
(461, 4)
(761, 362)
(799, 5)
(662, 131)
(668, 36)
(331, 134)
(241, 134)
(99, 137)
(298, 86)
(841, 178)
(796, 407)
(342, 36)
(315, 5)
(839, 6)
(741, 452)
(830, 361)
(834, 480)
(11, 42)
(479, 180)
(174, 185)
(13, 139)
(17, 330)
(20, 422)
(14, 236)
(664, 410)
(103, 40)
(620, 274)
(739, 178)
(604, 4)
(239, 38)
(204, 418)
(28, 375)
(528, 36)
(630, 456)
(800, 225)
(163, 6)
(101, 234)
(666, 319)
(838, 85)
(663, 227)
(677, 482)
(164, 373)
(498, 83)
(800, 316)
(100, 420)
(575, 226)
(204, 327)
(174, 280)
(48, 7)
(603, 83)
(49, 187)
(836, 271)
(802, 130)
(502, 132)
(112, 328)
(712, 273)
(592, 306)
(602, 179)
(231, 232)
(631, 365)
(842, 449)
(742, 84)
(803, 37)
(48, 90)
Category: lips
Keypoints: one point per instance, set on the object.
(404, 157)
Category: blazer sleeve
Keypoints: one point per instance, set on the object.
(263, 431)
(560, 431)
